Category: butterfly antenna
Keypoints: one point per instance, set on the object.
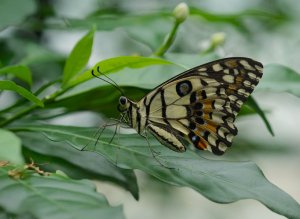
(108, 80)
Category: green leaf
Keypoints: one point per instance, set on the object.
(10, 85)
(79, 57)
(77, 164)
(13, 12)
(20, 71)
(147, 28)
(10, 147)
(252, 103)
(278, 78)
(145, 78)
(102, 99)
(219, 181)
(116, 64)
(37, 55)
(52, 197)
(238, 19)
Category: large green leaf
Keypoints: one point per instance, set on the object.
(135, 82)
(76, 164)
(35, 54)
(141, 72)
(238, 19)
(79, 57)
(149, 29)
(13, 12)
(20, 71)
(54, 196)
(279, 78)
(220, 181)
(10, 147)
(12, 86)
(116, 64)
(254, 105)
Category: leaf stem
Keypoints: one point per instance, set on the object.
(22, 101)
(29, 109)
(18, 115)
(169, 40)
(45, 86)
(256, 107)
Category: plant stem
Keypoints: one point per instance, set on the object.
(22, 101)
(19, 115)
(45, 86)
(169, 40)
(29, 109)
(254, 105)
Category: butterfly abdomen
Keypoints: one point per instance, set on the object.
(136, 117)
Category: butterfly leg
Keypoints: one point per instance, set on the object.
(97, 133)
(117, 130)
(101, 130)
(118, 126)
(154, 153)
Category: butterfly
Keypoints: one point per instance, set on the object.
(199, 105)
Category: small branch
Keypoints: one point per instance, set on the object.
(180, 14)
(22, 101)
(25, 111)
(169, 40)
(19, 115)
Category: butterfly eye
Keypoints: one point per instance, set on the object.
(122, 100)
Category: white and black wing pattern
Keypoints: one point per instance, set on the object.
(200, 104)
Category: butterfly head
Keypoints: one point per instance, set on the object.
(128, 109)
(124, 104)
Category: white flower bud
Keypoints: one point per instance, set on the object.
(181, 12)
(218, 39)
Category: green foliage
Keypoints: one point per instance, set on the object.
(53, 196)
(252, 104)
(279, 78)
(10, 85)
(78, 164)
(13, 152)
(14, 12)
(116, 64)
(220, 181)
(78, 58)
(52, 86)
(20, 71)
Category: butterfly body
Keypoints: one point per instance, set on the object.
(199, 105)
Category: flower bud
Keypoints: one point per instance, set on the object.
(181, 12)
(217, 39)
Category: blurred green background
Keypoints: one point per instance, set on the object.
(41, 34)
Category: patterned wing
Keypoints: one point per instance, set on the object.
(201, 104)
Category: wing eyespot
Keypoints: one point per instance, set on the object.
(184, 88)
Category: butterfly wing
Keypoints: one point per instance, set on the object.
(201, 104)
